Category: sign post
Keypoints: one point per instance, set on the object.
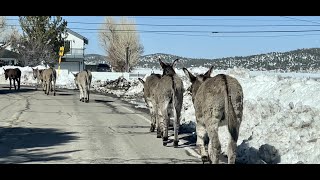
(61, 51)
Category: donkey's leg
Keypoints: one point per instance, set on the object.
(152, 113)
(165, 122)
(81, 92)
(161, 119)
(37, 83)
(43, 83)
(48, 87)
(214, 146)
(85, 88)
(232, 147)
(158, 120)
(157, 117)
(88, 92)
(176, 124)
(54, 87)
(201, 133)
(14, 84)
(10, 83)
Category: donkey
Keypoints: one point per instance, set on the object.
(217, 101)
(49, 77)
(13, 74)
(169, 89)
(37, 74)
(149, 87)
(83, 81)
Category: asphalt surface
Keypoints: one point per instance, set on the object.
(39, 128)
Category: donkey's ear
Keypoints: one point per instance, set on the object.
(141, 80)
(174, 62)
(162, 64)
(3, 69)
(191, 77)
(73, 74)
(208, 73)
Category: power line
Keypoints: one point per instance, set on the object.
(210, 19)
(198, 25)
(300, 20)
(193, 31)
(200, 19)
(227, 36)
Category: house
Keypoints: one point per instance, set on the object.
(73, 58)
(8, 57)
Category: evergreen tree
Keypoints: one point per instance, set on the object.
(41, 39)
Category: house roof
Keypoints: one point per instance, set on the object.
(86, 41)
(4, 53)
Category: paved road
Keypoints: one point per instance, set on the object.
(36, 128)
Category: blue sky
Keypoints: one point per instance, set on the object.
(207, 44)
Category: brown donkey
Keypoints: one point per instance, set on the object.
(13, 74)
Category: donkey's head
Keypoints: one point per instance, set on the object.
(144, 93)
(35, 73)
(6, 71)
(196, 81)
(75, 78)
(168, 69)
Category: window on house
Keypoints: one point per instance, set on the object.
(67, 47)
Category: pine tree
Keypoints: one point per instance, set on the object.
(41, 39)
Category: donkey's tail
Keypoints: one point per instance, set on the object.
(174, 98)
(230, 113)
(88, 79)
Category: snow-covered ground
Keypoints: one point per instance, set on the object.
(280, 111)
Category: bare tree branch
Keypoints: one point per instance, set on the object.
(7, 34)
(114, 39)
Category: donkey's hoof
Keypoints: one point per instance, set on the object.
(152, 128)
(204, 159)
(175, 144)
(165, 138)
(159, 134)
(164, 143)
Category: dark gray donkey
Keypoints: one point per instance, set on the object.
(149, 88)
(169, 90)
(217, 101)
(13, 74)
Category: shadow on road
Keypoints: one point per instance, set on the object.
(12, 91)
(146, 161)
(102, 101)
(22, 145)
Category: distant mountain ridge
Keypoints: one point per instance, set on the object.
(307, 59)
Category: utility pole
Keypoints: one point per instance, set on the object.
(127, 59)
